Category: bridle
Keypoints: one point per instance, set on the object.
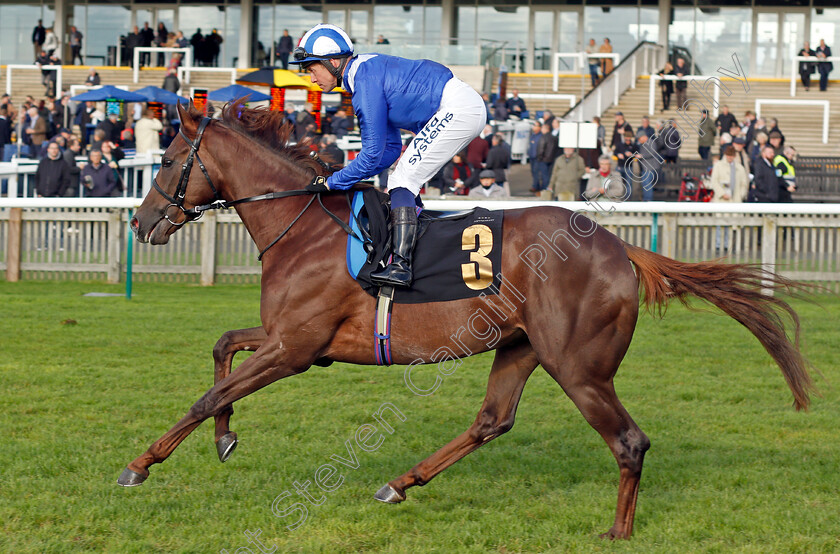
(195, 213)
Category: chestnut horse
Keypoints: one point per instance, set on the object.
(574, 314)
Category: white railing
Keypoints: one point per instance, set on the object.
(645, 59)
(67, 235)
(136, 62)
(823, 103)
(794, 67)
(136, 173)
(184, 73)
(535, 96)
(56, 68)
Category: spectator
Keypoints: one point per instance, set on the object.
(111, 154)
(382, 40)
(741, 157)
(39, 35)
(147, 132)
(498, 158)
(755, 153)
(459, 176)
(606, 63)
(626, 154)
(50, 42)
(168, 136)
(92, 80)
(649, 154)
(341, 124)
(593, 62)
(74, 148)
(725, 142)
(666, 86)
(773, 123)
(604, 181)
(132, 41)
(725, 120)
(5, 129)
(99, 179)
(487, 105)
(566, 175)
(303, 120)
(787, 175)
(775, 140)
(197, 42)
(180, 40)
(645, 128)
(59, 140)
(99, 136)
(112, 126)
(602, 132)
(284, 49)
(806, 69)
(147, 38)
(729, 179)
(53, 175)
(36, 130)
(75, 37)
(214, 46)
(706, 137)
(548, 117)
(545, 157)
(671, 143)
(515, 105)
(489, 187)
(500, 111)
(621, 127)
(760, 126)
(681, 84)
(477, 151)
(748, 128)
(766, 185)
(331, 151)
(533, 142)
(824, 67)
(127, 139)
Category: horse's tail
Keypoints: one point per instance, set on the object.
(737, 290)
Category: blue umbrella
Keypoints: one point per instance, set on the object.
(235, 92)
(157, 94)
(108, 93)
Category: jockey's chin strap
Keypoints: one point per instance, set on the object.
(195, 213)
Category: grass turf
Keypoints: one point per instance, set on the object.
(732, 468)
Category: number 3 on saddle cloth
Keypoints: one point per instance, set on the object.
(458, 255)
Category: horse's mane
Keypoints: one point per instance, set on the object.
(267, 128)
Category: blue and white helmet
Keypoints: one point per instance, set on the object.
(322, 42)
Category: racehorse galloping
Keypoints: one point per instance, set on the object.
(576, 320)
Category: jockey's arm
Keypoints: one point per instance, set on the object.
(381, 144)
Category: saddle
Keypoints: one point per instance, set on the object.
(458, 254)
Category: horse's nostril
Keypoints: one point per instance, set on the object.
(134, 223)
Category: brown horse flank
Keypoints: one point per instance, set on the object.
(575, 317)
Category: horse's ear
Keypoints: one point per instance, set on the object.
(188, 124)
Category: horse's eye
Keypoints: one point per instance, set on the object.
(166, 162)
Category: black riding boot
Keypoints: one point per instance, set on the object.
(403, 238)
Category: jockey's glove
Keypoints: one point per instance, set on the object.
(318, 184)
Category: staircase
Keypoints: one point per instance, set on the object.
(801, 125)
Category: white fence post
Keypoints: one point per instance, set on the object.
(208, 249)
(768, 247)
(114, 242)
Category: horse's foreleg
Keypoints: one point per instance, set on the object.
(511, 369)
(268, 364)
(227, 346)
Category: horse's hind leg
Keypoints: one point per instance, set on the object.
(586, 377)
(511, 368)
(227, 346)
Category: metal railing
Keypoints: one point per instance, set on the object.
(794, 67)
(644, 59)
(136, 62)
(824, 103)
(57, 68)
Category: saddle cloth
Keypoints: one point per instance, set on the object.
(457, 256)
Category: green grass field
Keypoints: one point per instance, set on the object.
(733, 468)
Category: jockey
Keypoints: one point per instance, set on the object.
(389, 94)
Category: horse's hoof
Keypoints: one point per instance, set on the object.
(130, 478)
(226, 446)
(389, 495)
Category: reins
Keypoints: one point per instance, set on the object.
(195, 213)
